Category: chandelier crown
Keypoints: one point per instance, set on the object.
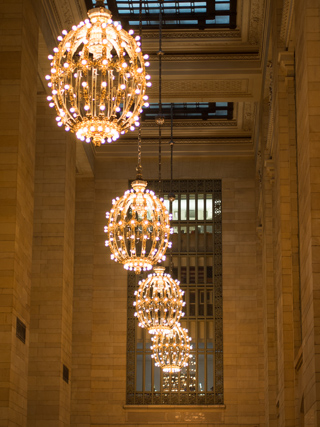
(138, 228)
(159, 302)
(98, 79)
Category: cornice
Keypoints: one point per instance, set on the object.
(193, 123)
(188, 141)
(195, 34)
(207, 57)
(286, 21)
(201, 88)
(256, 21)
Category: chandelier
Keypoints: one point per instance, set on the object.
(159, 302)
(98, 79)
(138, 228)
(171, 352)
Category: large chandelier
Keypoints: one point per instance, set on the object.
(171, 352)
(98, 79)
(159, 302)
(138, 228)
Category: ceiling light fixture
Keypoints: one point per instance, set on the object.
(138, 226)
(159, 302)
(171, 352)
(98, 79)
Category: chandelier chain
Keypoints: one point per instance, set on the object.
(139, 166)
(160, 122)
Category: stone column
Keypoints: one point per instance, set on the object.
(49, 390)
(18, 91)
(307, 28)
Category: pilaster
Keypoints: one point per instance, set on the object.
(18, 89)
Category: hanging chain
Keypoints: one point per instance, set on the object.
(160, 120)
(139, 166)
(99, 3)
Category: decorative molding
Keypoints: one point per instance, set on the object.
(183, 88)
(286, 21)
(196, 34)
(61, 15)
(270, 130)
(192, 123)
(269, 166)
(286, 62)
(256, 21)
(248, 116)
(207, 57)
(186, 141)
(259, 231)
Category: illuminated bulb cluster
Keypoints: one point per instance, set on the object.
(138, 229)
(159, 302)
(98, 79)
(171, 351)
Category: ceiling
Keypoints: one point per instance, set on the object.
(211, 63)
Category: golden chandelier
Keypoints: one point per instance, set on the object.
(98, 79)
(159, 302)
(171, 351)
(138, 228)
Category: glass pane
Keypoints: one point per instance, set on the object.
(200, 274)
(183, 275)
(147, 378)
(200, 207)
(209, 372)
(192, 274)
(183, 239)
(192, 207)
(209, 207)
(156, 373)
(201, 386)
(183, 207)
(209, 238)
(139, 372)
(192, 239)
(175, 210)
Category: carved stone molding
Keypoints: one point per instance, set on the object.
(259, 231)
(62, 14)
(202, 87)
(286, 62)
(207, 57)
(256, 21)
(286, 21)
(269, 167)
(193, 123)
(196, 34)
(248, 116)
(186, 141)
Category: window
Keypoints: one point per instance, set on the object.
(199, 14)
(197, 263)
(190, 110)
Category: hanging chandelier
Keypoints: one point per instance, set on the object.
(171, 352)
(138, 228)
(98, 79)
(159, 302)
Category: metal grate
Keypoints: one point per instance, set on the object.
(21, 330)
(65, 374)
(199, 14)
(197, 263)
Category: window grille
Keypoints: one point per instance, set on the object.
(197, 263)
